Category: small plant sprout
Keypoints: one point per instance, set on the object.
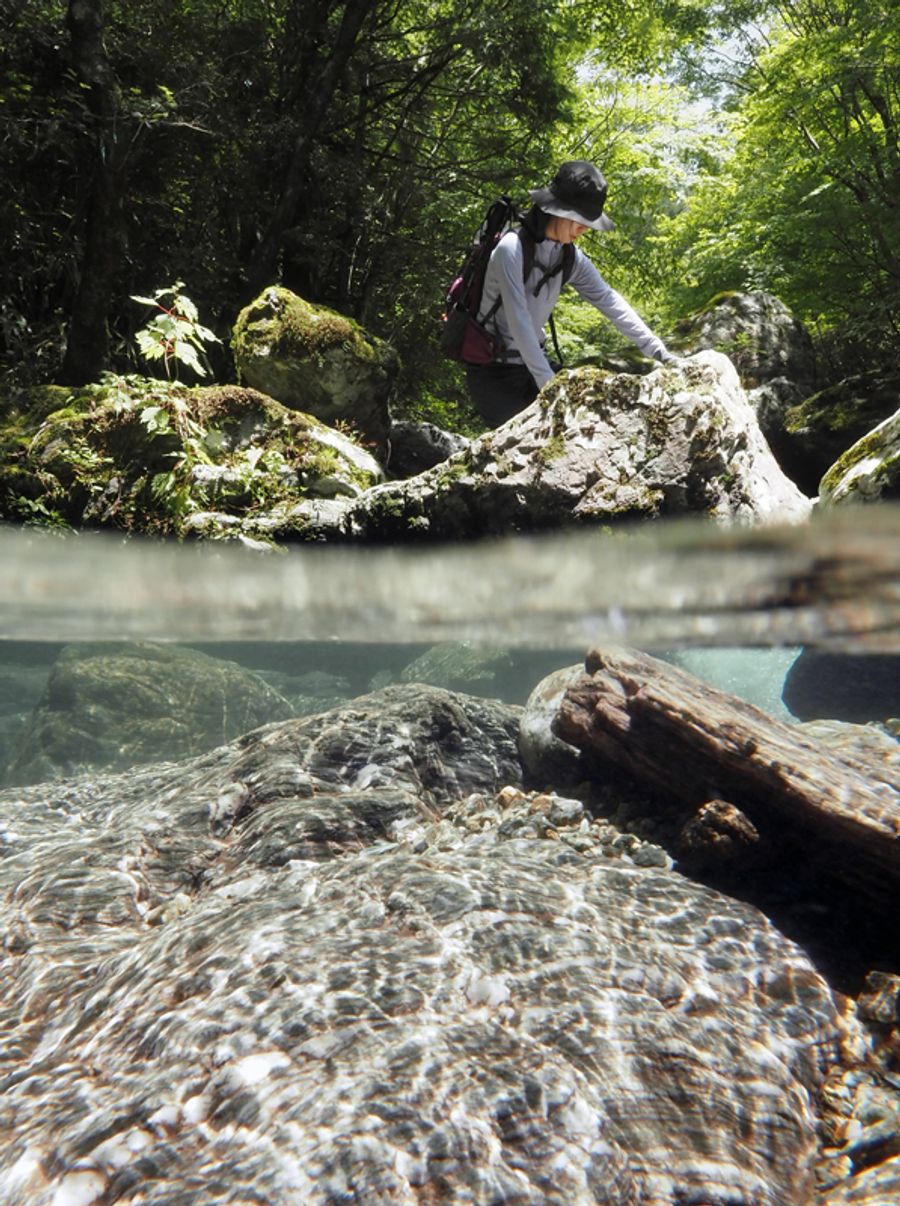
(174, 333)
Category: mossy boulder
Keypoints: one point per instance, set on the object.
(824, 426)
(594, 448)
(869, 471)
(152, 457)
(118, 705)
(461, 666)
(757, 332)
(316, 360)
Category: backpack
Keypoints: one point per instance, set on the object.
(463, 337)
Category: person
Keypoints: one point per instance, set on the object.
(517, 310)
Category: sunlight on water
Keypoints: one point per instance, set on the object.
(833, 583)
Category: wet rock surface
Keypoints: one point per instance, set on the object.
(802, 822)
(118, 705)
(351, 957)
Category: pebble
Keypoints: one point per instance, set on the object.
(514, 814)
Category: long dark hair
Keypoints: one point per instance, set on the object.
(535, 222)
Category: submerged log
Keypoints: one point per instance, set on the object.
(668, 731)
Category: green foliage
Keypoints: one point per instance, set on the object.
(370, 135)
(802, 202)
(174, 334)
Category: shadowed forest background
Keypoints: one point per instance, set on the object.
(348, 150)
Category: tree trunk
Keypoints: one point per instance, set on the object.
(87, 341)
(320, 91)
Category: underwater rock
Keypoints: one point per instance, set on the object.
(596, 448)
(855, 687)
(867, 472)
(460, 666)
(118, 705)
(547, 759)
(315, 360)
(330, 961)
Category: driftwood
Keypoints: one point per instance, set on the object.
(694, 744)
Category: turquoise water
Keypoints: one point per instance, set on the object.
(319, 624)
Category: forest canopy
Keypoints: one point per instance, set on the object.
(348, 149)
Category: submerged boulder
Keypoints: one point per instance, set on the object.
(460, 666)
(339, 959)
(315, 360)
(153, 457)
(855, 687)
(119, 705)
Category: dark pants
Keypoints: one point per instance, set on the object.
(499, 391)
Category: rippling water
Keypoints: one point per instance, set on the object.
(833, 583)
(735, 604)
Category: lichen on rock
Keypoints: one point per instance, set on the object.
(149, 456)
(316, 360)
(869, 471)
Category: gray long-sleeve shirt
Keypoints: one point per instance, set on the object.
(521, 318)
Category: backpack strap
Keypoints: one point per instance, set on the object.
(565, 266)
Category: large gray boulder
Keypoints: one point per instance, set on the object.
(316, 360)
(758, 333)
(597, 448)
(119, 705)
(339, 959)
(772, 352)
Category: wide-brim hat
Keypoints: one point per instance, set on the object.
(576, 192)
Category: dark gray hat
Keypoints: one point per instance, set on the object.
(576, 192)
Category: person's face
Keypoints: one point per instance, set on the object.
(564, 230)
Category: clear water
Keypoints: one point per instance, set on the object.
(735, 606)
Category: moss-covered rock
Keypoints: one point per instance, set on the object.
(757, 332)
(148, 456)
(115, 706)
(822, 427)
(594, 448)
(869, 471)
(315, 360)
